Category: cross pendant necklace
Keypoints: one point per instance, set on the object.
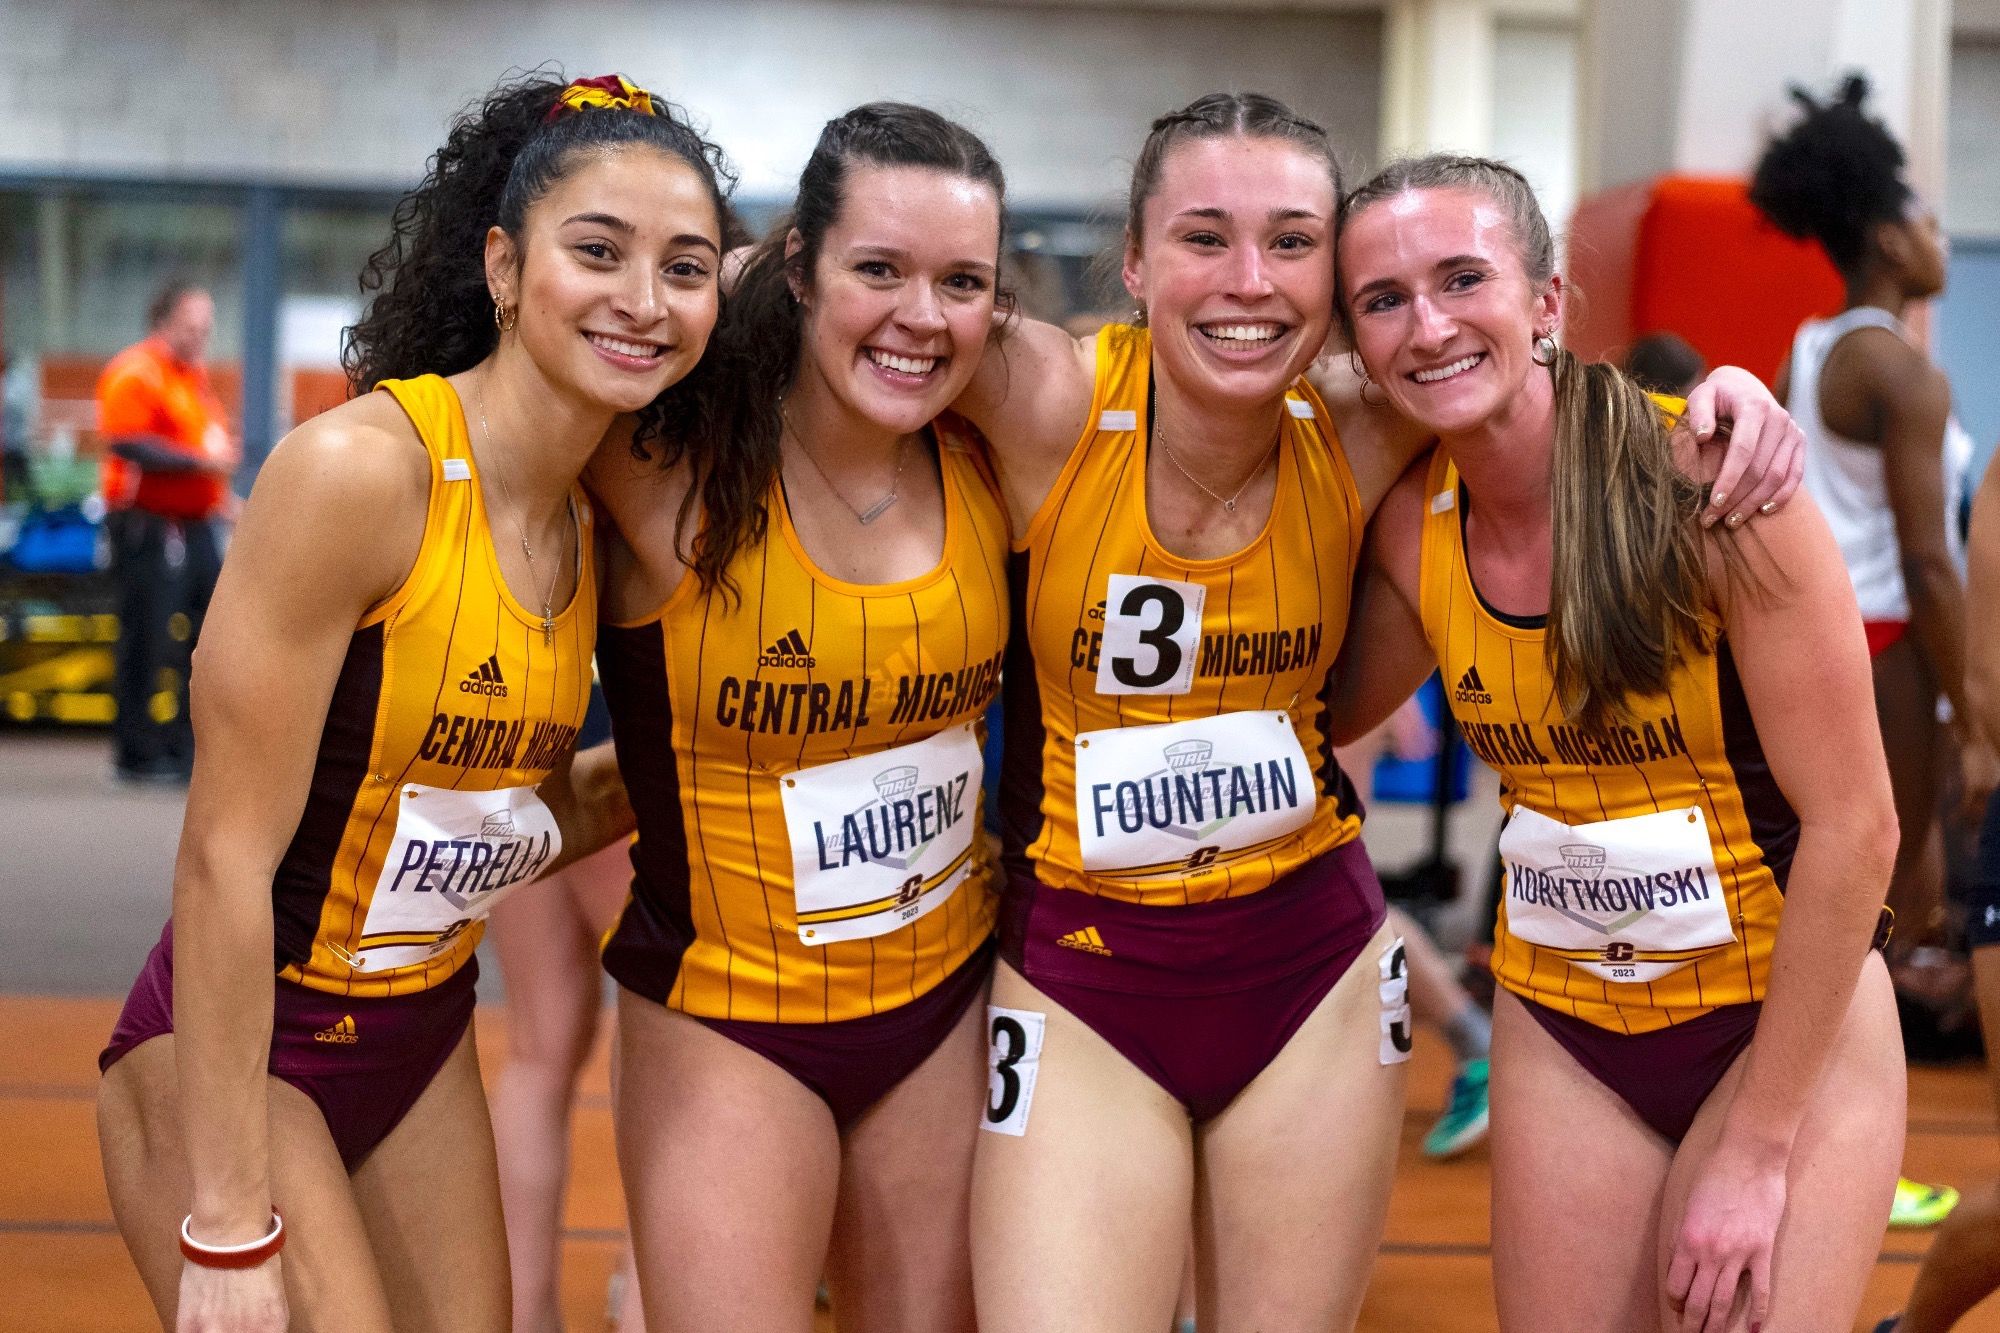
(520, 531)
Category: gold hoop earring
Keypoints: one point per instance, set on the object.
(1361, 373)
(1543, 353)
(504, 315)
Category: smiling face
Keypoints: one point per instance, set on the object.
(900, 296)
(1445, 315)
(614, 275)
(1234, 265)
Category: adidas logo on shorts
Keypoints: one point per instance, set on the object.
(485, 679)
(789, 651)
(1471, 689)
(341, 1033)
(1086, 939)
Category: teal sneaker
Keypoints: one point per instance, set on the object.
(1463, 1124)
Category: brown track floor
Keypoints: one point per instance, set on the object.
(62, 1269)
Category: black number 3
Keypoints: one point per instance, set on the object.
(1160, 638)
(1010, 1082)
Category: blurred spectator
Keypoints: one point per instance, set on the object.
(168, 458)
(1665, 363)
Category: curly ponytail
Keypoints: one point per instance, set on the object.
(432, 312)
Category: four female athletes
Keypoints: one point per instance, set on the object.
(806, 602)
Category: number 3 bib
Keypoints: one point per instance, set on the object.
(882, 839)
(455, 854)
(1624, 899)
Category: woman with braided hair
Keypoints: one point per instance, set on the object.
(1697, 1101)
(1885, 459)
(1198, 1009)
(388, 695)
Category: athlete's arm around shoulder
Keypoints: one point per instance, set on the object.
(332, 529)
(1378, 441)
(1385, 656)
(1031, 399)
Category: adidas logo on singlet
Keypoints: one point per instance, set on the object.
(485, 679)
(1086, 939)
(1471, 689)
(341, 1033)
(789, 651)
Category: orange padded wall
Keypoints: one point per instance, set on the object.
(1691, 255)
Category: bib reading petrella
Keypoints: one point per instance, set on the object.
(452, 706)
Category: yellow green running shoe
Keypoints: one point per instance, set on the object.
(1921, 1205)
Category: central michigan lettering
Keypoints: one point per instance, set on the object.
(1264, 653)
(777, 707)
(884, 829)
(1191, 798)
(494, 742)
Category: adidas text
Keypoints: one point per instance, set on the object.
(1086, 939)
(340, 1034)
(789, 651)
(1471, 689)
(485, 679)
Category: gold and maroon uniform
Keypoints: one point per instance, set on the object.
(1645, 862)
(452, 706)
(804, 756)
(1167, 735)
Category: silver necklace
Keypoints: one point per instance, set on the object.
(862, 516)
(549, 592)
(1227, 502)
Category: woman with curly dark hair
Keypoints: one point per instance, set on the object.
(388, 695)
(803, 630)
(1885, 459)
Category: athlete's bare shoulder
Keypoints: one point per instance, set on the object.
(1378, 442)
(351, 487)
(1031, 400)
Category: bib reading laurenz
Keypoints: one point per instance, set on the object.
(452, 706)
(1166, 728)
(806, 773)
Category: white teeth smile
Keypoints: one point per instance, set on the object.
(1243, 333)
(623, 348)
(908, 365)
(1458, 367)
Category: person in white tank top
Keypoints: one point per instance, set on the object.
(1887, 463)
(1849, 477)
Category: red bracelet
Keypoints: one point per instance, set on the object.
(247, 1255)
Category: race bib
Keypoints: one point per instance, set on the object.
(1624, 899)
(882, 839)
(1152, 628)
(455, 854)
(1182, 796)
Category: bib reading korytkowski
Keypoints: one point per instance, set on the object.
(1179, 796)
(882, 839)
(1625, 899)
(455, 854)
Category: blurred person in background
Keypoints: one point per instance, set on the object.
(1963, 1265)
(167, 462)
(1887, 463)
(1666, 363)
(1885, 459)
(546, 943)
